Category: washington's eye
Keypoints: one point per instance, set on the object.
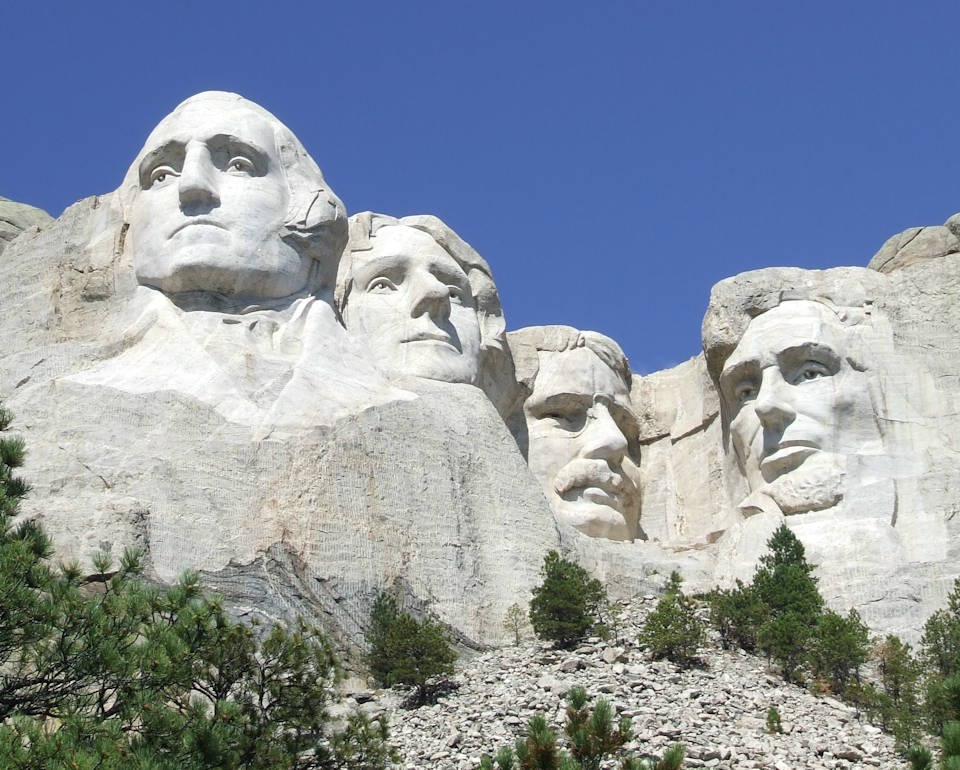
(161, 174)
(380, 286)
(811, 370)
(241, 165)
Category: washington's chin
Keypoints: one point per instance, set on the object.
(216, 268)
(593, 517)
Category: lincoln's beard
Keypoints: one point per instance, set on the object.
(816, 484)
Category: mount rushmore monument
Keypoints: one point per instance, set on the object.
(217, 364)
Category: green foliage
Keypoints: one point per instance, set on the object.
(593, 738)
(920, 758)
(785, 585)
(737, 615)
(515, 621)
(673, 630)
(838, 648)
(773, 721)
(567, 604)
(404, 650)
(109, 672)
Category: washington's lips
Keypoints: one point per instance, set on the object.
(198, 221)
(429, 337)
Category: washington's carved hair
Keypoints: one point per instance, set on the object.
(316, 222)
(363, 229)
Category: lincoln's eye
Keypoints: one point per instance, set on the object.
(811, 370)
(746, 391)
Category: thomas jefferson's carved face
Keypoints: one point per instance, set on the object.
(412, 304)
(792, 395)
(579, 425)
(211, 204)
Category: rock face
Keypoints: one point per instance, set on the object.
(17, 217)
(216, 365)
(718, 712)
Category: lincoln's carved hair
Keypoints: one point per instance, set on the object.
(735, 302)
(526, 343)
(363, 229)
(316, 223)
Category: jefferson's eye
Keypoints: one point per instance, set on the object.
(380, 286)
(241, 165)
(569, 421)
(161, 174)
(811, 370)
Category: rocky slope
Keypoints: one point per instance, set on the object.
(718, 712)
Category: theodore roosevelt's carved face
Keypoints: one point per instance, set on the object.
(212, 200)
(412, 304)
(793, 395)
(579, 425)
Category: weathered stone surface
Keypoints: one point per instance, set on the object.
(17, 217)
(917, 244)
(177, 395)
(839, 413)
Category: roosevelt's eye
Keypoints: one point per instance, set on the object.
(161, 174)
(240, 165)
(810, 370)
(570, 421)
(380, 286)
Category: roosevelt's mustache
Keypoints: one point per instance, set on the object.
(581, 473)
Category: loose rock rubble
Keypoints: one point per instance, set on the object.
(718, 712)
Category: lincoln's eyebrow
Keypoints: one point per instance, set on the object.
(817, 351)
(735, 372)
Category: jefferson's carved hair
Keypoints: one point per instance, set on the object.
(363, 229)
(316, 223)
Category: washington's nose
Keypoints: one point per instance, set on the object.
(603, 439)
(198, 182)
(773, 406)
(430, 296)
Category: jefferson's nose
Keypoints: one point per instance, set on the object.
(198, 180)
(772, 405)
(431, 296)
(603, 439)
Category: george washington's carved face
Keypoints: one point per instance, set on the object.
(412, 304)
(580, 425)
(211, 203)
(793, 396)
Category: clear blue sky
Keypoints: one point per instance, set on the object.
(612, 160)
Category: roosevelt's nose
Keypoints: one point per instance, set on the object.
(198, 180)
(603, 439)
(772, 405)
(429, 296)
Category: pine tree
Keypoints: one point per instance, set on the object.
(567, 604)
